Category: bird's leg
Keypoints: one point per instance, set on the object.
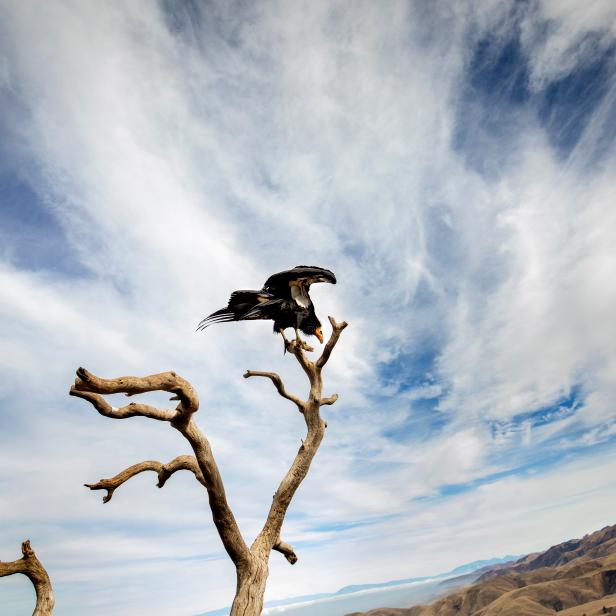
(301, 344)
(298, 340)
(287, 343)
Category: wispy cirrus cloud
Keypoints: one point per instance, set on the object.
(453, 166)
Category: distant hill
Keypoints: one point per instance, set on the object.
(422, 588)
(474, 567)
(482, 564)
(574, 578)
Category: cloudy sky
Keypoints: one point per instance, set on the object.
(453, 163)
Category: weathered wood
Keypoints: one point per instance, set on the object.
(251, 563)
(30, 566)
(278, 384)
(164, 471)
(269, 535)
(90, 387)
(286, 550)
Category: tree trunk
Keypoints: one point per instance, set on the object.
(250, 588)
(251, 563)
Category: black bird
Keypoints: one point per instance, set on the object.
(284, 299)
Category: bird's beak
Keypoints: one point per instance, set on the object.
(319, 334)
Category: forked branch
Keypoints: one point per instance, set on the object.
(91, 387)
(30, 566)
(268, 538)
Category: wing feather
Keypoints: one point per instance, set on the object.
(301, 275)
(266, 310)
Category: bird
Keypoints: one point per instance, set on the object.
(284, 298)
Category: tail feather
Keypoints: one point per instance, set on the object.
(224, 315)
(244, 304)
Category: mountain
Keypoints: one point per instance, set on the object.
(360, 595)
(482, 564)
(474, 567)
(574, 578)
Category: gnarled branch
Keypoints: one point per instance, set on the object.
(131, 385)
(331, 343)
(269, 535)
(90, 387)
(279, 385)
(287, 550)
(30, 566)
(130, 410)
(164, 471)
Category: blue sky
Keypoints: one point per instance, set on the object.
(453, 163)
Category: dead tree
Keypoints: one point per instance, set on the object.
(32, 568)
(251, 563)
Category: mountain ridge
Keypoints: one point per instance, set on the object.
(571, 578)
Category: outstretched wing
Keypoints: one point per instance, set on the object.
(300, 277)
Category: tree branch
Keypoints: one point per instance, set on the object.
(331, 343)
(30, 566)
(277, 381)
(89, 387)
(164, 471)
(287, 550)
(187, 463)
(221, 512)
(131, 385)
(130, 410)
(269, 535)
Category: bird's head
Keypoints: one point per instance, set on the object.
(311, 326)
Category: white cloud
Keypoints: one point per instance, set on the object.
(182, 163)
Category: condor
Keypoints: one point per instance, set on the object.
(283, 299)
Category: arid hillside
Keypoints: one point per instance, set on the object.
(574, 578)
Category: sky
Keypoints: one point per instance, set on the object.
(452, 163)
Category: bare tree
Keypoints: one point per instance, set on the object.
(251, 563)
(31, 567)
